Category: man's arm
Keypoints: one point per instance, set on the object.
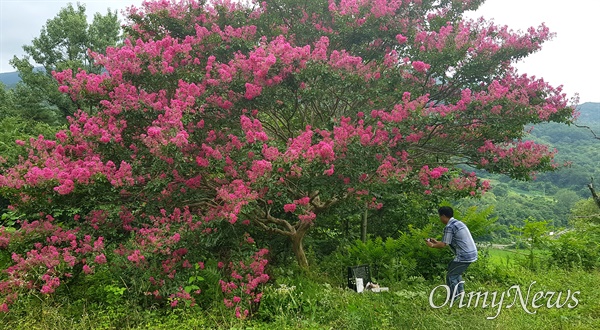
(433, 243)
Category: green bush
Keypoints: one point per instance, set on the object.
(493, 269)
(574, 249)
(392, 260)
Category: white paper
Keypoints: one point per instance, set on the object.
(359, 285)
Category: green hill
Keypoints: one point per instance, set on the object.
(589, 113)
(10, 79)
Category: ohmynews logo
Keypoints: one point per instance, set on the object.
(530, 302)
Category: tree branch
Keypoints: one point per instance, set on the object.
(261, 224)
(589, 129)
(265, 218)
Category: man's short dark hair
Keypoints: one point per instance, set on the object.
(447, 211)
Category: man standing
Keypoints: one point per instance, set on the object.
(458, 237)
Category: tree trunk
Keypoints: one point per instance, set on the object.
(298, 249)
(594, 195)
(363, 227)
(297, 244)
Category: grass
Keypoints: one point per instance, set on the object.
(507, 257)
(309, 302)
(407, 306)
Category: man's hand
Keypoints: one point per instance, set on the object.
(431, 242)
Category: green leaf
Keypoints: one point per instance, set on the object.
(191, 288)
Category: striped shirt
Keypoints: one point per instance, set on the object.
(458, 237)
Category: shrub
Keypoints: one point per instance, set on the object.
(574, 249)
(392, 260)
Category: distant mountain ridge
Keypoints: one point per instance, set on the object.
(10, 79)
(589, 113)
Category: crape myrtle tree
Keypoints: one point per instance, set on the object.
(214, 120)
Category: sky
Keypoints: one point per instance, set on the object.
(570, 59)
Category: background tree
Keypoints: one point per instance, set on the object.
(578, 245)
(6, 102)
(534, 234)
(14, 126)
(585, 216)
(63, 43)
(216, 121)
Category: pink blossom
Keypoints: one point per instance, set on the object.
(136, 257)
(309, 217)
(47, 289)
(420, 66)
(400, 38)
(154, 131)
(100, 259)
(61, 136)
(289, 208)
(65, 188)
(252, 91)
(437, 172)
(302, 201)
(87, 269)
(260, 168)
(181, 139)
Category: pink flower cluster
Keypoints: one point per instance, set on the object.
(53, 257)
(520, 156)
(245, 279)
(253, 129)
(376, 8)
(420, 66)
(426, 174)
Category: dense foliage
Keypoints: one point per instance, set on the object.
(214, 124)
